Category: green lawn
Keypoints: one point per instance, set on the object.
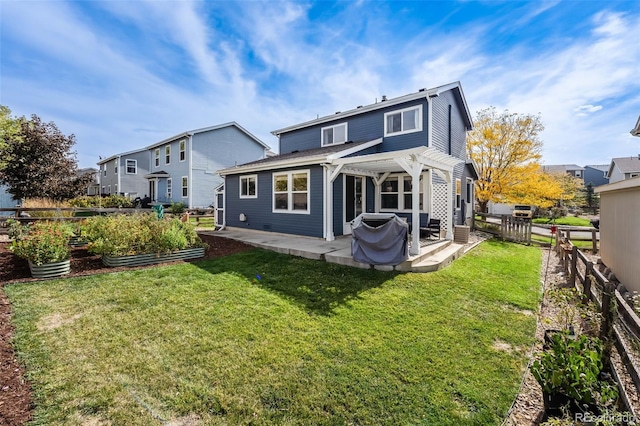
(306, 342)
(566, 221)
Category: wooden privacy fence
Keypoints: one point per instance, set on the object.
(584, 275)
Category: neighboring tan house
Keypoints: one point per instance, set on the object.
(620, 230)
(623, 168)
(181, 168)
(405, 155)
(570, 169)
(596, 174)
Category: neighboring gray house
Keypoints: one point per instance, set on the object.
(94, 187)
(623, 168)
(6, 199)
(405, 155)
(181, 168)
(596, 174)
(636, 130)
(570, 169)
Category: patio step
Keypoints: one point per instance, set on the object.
(425, 252)
(439, 260)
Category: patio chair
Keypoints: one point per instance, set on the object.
(432, 228)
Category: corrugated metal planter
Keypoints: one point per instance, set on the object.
(50, 270)
(149, 259)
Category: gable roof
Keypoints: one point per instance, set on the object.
(186, 134)
(561, 168)
(298, 158)
(626, 164)
(601, 167)
(422, 93)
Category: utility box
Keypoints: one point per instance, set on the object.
(461, 234)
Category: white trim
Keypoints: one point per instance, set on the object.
(168, 146)
(290, 192)
(156, 158)
(401, 192)
(240, 186)
(346, 226)
(458, 201)
(379, 105)
(182, 187)
(403, 131)
(169, 193)
(181, 151)
(333, 127)
(126, 166)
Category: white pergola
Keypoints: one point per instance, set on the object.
(379, 166)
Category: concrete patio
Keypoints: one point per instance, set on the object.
(435, 254)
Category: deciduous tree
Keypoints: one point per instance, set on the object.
(9, 131)
(506, 149)
(41, 163)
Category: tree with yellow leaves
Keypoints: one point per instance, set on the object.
(506, 149)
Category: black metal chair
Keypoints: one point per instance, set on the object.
(432, 228)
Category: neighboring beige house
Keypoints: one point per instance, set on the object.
(623, 168)
(620, 230)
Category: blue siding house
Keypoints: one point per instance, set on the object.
(181, 168)
(405, 155)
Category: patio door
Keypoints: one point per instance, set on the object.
(354, 200)
(152, 189)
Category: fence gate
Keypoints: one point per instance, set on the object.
(218, 204)
(517, 229)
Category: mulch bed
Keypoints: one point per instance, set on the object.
(15, 391)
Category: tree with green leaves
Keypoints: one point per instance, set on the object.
(9, 131)
(40, 162)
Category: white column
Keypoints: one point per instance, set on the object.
(449, 204)
(415, 211)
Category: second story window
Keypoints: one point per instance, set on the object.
(334, 134)
(167, 154)
(132, 167)
(157, 156)
(183, 150)
(406, 120)
(115, 167)
(104, 171)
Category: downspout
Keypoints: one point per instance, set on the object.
(118, 177)
(190, 174)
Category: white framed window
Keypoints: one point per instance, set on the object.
(167, 154)
(333, 135)
(115, 167)
(109, 189)
(578, 173)
(132, 167)
(249, 186)
(469, 198)
(157, 157)
(407, 120)
(458, 193)
(183, 150)
(396, 193)
(169, 188)
(632, 175)
(115, 188)
(104, 171)
(185, 187)
(291, 192)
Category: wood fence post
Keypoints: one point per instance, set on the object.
(608, 315)
(594, 240)
(568, 234)
(587, 283)
(574, 265)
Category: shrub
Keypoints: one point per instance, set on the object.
(140, 233)
(572, 367)
(177, 208)
(109, 202)
(46, 242)
(17, 230)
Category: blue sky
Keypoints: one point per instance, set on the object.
(121, 75)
